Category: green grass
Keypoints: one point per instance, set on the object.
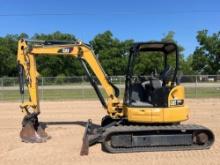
(202, 92)
(74, 94)
(51, 94)
(54, 94)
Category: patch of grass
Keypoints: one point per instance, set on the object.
(74, 94)
(54, 94)
(202, 92)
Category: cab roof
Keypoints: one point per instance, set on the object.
(166, 47)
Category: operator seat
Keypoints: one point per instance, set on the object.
(159, 93)
(155, 83)
(138, 97)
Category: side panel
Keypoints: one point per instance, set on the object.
(157, 115)
(138, 114)
(177, 93)
(176, 114)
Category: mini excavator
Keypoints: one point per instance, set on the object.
(148, 118)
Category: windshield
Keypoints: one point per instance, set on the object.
(148, 63)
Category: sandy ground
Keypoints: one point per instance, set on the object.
(64, 147)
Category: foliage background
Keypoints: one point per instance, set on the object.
(113, 54)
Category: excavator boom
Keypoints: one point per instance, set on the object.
(28, 50)
(32, 131)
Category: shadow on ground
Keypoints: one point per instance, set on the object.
(80, 123)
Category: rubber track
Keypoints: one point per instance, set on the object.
(132, 129)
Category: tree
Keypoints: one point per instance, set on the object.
(113, 55)
(57, 65)
(206, 57)
(8, 52)
(186, 65)
(111, 52)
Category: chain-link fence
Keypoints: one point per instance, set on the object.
(70, 88)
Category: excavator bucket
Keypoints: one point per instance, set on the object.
(32, 131)
(29, 135)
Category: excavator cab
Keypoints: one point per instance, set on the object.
(142, 90)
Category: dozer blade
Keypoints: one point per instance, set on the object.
(92, 135)
(85, 144)
(32, 131)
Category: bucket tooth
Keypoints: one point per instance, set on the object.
(42, 133)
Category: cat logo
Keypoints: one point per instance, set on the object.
(65, 50)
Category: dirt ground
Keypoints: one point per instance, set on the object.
(66, 128)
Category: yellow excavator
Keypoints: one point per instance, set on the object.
(148, 118)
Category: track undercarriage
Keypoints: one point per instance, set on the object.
(119, 138)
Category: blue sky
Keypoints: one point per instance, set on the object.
(141, 20)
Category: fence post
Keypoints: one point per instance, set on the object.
(196, 86)
(42, 88)
(2, 86)
(83, 91)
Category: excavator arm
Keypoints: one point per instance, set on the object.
(28, 50)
